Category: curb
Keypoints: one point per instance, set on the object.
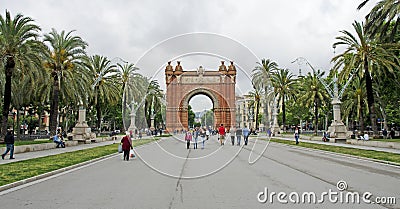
(61, 170)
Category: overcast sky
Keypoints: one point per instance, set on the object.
(280, 30)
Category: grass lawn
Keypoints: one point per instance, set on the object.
(20, 170)
(387, 140)
(379, 155)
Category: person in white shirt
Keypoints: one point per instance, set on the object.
(366, 137)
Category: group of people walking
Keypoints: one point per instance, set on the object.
(238, 133)
(193, 135)
(204, 134)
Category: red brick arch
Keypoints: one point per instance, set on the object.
(182, 85)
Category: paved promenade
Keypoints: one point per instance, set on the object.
(167, 175)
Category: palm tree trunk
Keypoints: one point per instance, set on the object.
(370, 97)
(362, 128)
(98, 114)
(18, 124)
(54, 106)
(316, 116)
(9, 67)
(283, 114)
(124, 112)
(257, 111)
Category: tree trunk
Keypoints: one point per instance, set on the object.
(124, 119)
(9, 68)
(370, 96)
(361, 120)
(18, 125)
(98, 114)
(316, 116)
(54, 105)
(257, 111)
(283, 114)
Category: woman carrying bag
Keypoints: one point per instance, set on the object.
(126, 146)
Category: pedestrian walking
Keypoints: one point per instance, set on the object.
(232, 133)
(9, 140)
(126, 145)
(239, 133)
(188, 138)
(195, 136)
(221, 132)
(246, 134)
(296, 135)
(203, 137)
(207, 134)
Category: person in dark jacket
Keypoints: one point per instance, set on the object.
(9, 140)
(126, 146)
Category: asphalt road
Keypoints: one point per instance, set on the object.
(167, 175)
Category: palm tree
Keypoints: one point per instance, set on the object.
(133, 87)
(261, 77)
(364, 54)
(355, 101)
(256, 94)
(153, 100)
(104, 84)
(313, 94)
(19, 49)
(262, 73)
(284, 85)
(380, 18)
(64, 58)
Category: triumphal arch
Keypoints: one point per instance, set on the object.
(182, 85)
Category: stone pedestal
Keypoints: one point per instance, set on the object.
(275, 126)
(337, 130)
(81, 131)
(132, 126)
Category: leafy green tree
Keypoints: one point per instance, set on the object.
(355, 101)
(366, 57)
(153, 101)
(380, 18)
(106, 90)
(19, 49)
(256, 95)
(284, 85)
(313, 94)
(191, 116)
(261, 76)
(64, 59)
(134, 87)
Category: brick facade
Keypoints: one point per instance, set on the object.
(182, 85)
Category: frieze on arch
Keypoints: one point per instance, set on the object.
(182, 85)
